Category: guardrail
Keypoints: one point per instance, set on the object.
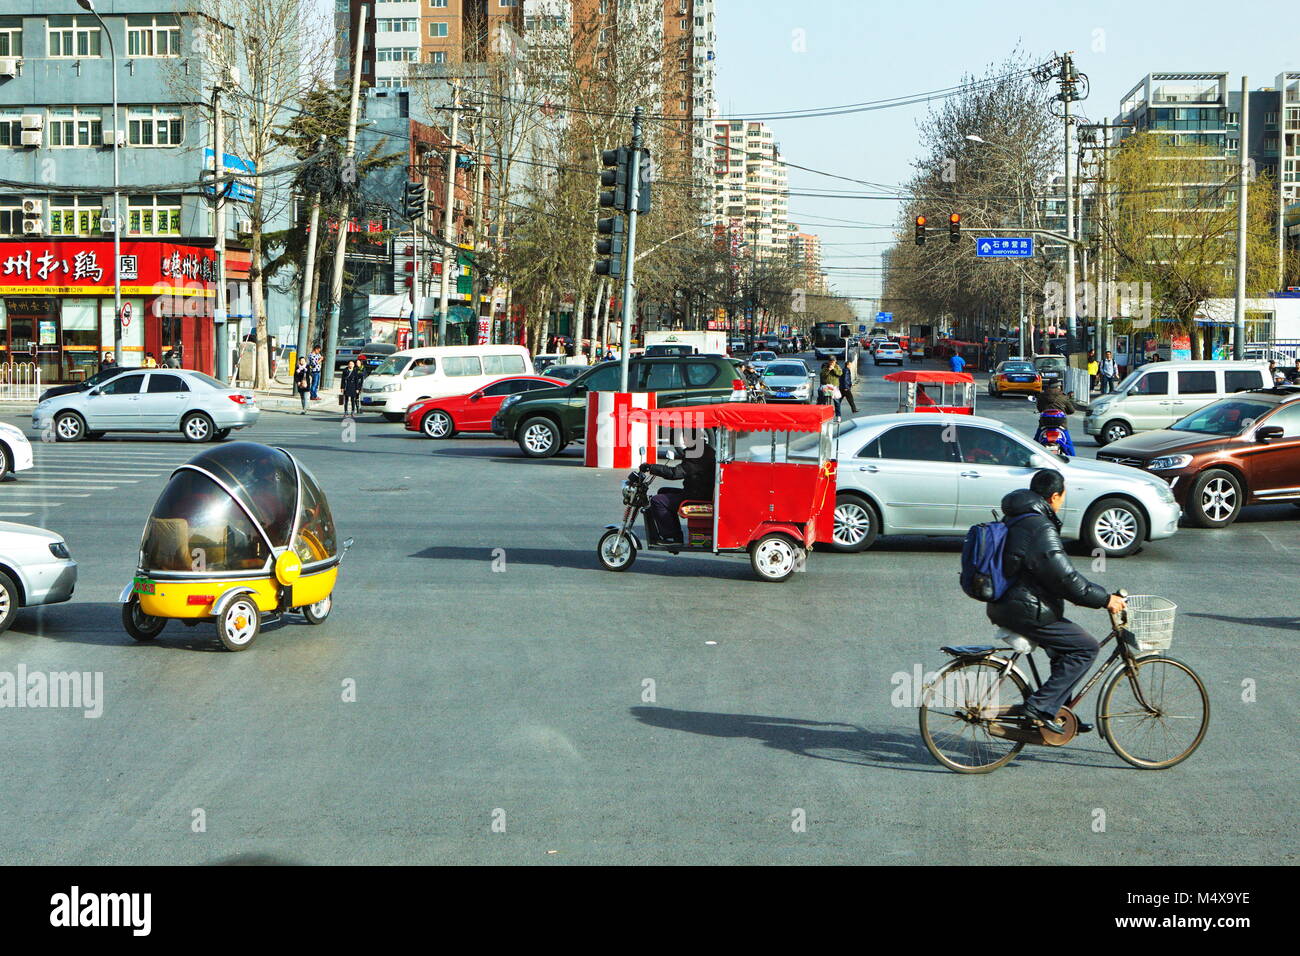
(1078, 381)
(20, 381)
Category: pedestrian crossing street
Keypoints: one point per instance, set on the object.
(65, 473)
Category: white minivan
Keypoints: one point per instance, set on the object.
(413, 375)
(1158, 394)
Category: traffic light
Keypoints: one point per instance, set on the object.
(645, 174)
(615, 174)
(611, 247)
(413, 199)
(954, 227)
(920, 230)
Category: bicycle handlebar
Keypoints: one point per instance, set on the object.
(1119, 620)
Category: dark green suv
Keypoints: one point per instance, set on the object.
(543, 421)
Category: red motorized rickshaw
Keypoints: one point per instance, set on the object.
(766, 501)
(934, 391)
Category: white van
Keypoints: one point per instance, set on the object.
(1158, 394)
(413, 375)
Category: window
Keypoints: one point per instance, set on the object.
(1153, 383)
(437, 29)
(700, 374)
(75, 215)
(153, 216)
(458, 365)
(148, 35)
(395, 54)
(11, 129)
(424, 366)
(662, 375)
(166, 383)
(1197, 383)
(11, 216)
(1288, 419)
(503, 365)
(438, 56)
(1240, 380)
(438, 4)
(72, 36)
(603, 379)
(122, 385)
(917, 443)
(154, 127)
(11, 40)
(984, 446)
(397, 24)
(71, 127)
(508, 387)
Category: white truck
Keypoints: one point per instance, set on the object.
(704, 343)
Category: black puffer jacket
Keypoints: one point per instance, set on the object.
(1034, 560)
(695, 472)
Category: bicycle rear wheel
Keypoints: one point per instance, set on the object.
(955, 708)
(1160, 739)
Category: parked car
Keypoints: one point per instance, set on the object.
(374, 354)
(1015, 375)
(544, 361)
(1051, 369)
(348, 349)
(1241, 450)
(942, 474)
(153, 400)
(669, 350)
(1160, 393)
(83, 386)
(565, 372)
(15, 450)
(890, 352)
(35, 569)
(444, 417)
(789, 380)
(413, 375)
(543, 422)
(737, 346)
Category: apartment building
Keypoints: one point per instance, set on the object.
(751, 195)
(806, 257)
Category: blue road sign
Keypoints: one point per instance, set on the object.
(884, 317)
(862, 328)
(240, 191)
(1006, 247)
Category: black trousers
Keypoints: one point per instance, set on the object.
(1072, 651)
(663, 511)
(351, 403)
(848, 397)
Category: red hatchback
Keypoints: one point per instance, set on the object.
(444, 417)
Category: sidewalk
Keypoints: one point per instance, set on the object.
(282, 398)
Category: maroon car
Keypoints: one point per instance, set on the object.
(1238, 451)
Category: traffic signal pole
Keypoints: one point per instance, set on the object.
(629, 288)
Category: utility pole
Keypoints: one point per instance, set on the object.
(1243, 185)
(340, 251)
(220, 309)
(1067, 96)
(309, 273)
(450, 253)
(629, 287)
(480, 205)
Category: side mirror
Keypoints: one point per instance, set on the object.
(476, 396)
(1266, 433)
(668, 454)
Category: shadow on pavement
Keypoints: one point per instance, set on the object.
(101, 623)
(586, 560)
(1290, 622)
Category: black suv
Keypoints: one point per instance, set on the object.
(545, 420)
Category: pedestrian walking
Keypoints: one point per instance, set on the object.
(314, 365)
(956, 363)
(149, 361)
(302, 382)
(352, 379)
(831, 376)
(1094, 369)
(846, 386)
(1108, 372)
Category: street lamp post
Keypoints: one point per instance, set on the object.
(89, 5)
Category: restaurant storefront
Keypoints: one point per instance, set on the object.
(57, 301)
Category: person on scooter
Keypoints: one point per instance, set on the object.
(696, 473)
(1053, 408)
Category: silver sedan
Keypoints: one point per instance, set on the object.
(788, 381)
(149, 400)
(940, 474)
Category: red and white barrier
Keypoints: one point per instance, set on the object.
(612, 440)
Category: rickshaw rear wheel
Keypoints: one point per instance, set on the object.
(316, 613)
(141, 626)
(612, 559)
(239, 625)
(197, 427)
(774, 557)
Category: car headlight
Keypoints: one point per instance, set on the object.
(1166, 494)
(390, 387)
(1169, 462)
(60, 550)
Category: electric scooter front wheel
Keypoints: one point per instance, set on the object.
(616, 550)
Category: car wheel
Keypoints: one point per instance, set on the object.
(141, 626)
(774, 557)
(197, 427)
(1113, 431)
(1114, 526)
(856, 526)
(6, 461)
(392, 417)
(239, 625)
(10, 601)
(316, 613)
(1215, 499)
(222, 434)
(69, 426)
(616, 550)
(438, 424)
(539, 438)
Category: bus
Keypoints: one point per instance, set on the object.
(832, 338)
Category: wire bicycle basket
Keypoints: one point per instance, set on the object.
(1151, 621)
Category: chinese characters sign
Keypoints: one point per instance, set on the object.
(85, 267)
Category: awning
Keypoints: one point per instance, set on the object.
(737, 416)
(928, 377)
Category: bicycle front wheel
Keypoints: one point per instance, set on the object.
(955, 712)
(1169, 728)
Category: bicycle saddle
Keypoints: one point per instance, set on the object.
(1017, 642)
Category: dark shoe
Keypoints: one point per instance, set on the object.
(1047, 721)
(1084, 728)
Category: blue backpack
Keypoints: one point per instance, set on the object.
(981, 560)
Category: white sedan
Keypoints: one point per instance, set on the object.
(35, 569)
(15, 450)
(930, 474)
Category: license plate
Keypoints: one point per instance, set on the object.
(369, 401)
(143, 586)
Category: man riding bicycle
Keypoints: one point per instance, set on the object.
(1042, 579)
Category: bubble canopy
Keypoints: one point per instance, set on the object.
(232, 509)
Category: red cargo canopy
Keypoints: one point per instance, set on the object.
(928, 378)
(737, 416)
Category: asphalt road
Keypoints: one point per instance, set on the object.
(682, 712)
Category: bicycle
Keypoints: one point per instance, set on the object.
(1153, 710)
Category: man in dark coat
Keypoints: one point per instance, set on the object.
(351, 384)
(696, 473)
(1042, 580)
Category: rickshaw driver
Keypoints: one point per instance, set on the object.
(696, 473)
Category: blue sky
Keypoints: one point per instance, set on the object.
(857, 50)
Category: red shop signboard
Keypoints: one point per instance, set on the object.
(84, 267)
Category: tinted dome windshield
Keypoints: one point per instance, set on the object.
(1227, 417)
